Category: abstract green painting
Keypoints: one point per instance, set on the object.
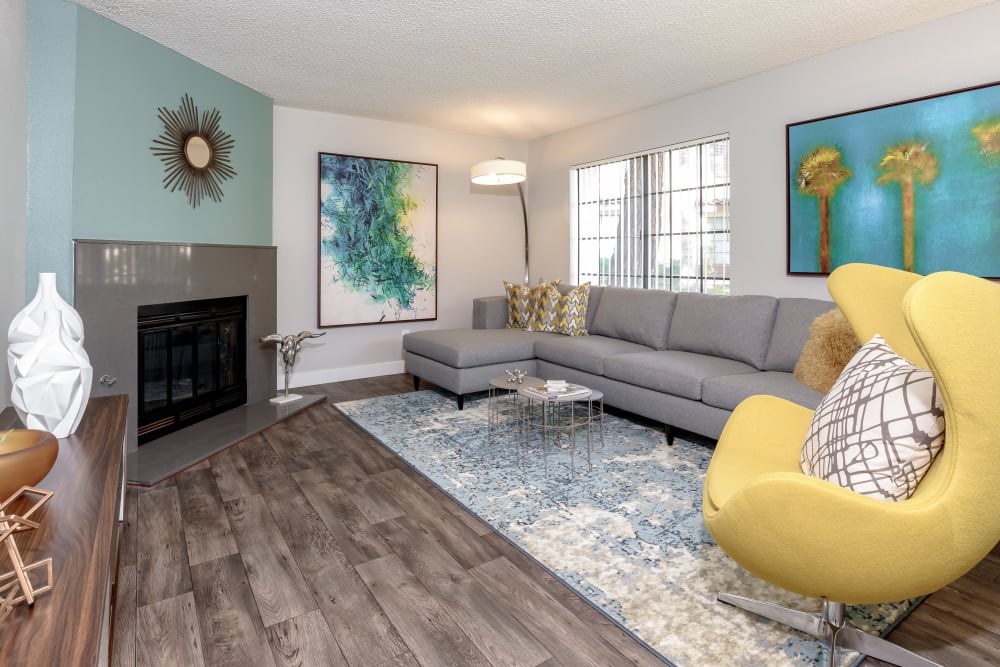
(377, 240)
(914, 185)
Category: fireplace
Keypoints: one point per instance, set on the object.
(192, 362)
(114, 278)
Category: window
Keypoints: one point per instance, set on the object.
(658, 220)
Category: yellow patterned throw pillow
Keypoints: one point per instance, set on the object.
(518, 305)
(562, 314)
(522, 302)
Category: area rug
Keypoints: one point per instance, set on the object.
(627, 535)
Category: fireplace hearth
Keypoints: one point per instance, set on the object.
(191, 362)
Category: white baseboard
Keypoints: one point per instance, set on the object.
(309, 378)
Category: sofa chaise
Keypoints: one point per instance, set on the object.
(683, 359)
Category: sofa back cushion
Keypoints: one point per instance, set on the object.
(734, 327)
(791, 330)
(636, 315)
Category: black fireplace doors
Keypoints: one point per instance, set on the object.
(192, 362)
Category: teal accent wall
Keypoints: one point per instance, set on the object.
(95, 88)
(51, 89)
(122, 79)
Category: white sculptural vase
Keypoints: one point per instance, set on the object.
(26, 326)
(52, 380)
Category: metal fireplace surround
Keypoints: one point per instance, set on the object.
(114, 278)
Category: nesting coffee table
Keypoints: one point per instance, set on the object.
(564, 413)
(502, 406)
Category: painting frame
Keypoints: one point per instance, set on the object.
(913, 185)
(377, 240)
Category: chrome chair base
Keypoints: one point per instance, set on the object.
(830, 627)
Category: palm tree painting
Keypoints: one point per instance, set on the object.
(987, 134)
(820, 174)
(907, 163)
(942, 150)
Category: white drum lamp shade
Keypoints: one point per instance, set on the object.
(499, 172)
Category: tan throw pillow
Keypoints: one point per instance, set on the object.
(831, 344)
(562, 314)
(522, 302)
(880, 427)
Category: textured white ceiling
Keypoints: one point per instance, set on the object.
(521, 68)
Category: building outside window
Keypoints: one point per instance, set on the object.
(656, 220)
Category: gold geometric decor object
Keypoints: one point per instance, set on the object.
(16, 586)
(195, 152)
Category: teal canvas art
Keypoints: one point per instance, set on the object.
(377, 240)
(913, 185)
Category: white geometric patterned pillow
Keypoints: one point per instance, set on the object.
(880, 427)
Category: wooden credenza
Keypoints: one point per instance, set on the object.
(70, 625)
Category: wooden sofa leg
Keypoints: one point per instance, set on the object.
(461, 401)
(416, 383)
(668, 431)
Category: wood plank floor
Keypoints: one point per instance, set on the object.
(311, 544)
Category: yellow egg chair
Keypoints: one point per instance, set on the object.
(818, 539)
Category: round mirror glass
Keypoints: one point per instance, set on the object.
(197, 151)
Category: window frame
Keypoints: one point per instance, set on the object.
(636, 208)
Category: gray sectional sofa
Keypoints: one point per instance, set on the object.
(683, 359)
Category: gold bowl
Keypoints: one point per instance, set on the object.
(26, 457)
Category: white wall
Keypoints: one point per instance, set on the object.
(480, 238)
(955, 52)
(479, 230)
(13, 164)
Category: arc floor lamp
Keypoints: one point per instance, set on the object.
(505, 172)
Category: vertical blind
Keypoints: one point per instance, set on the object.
(656, 220)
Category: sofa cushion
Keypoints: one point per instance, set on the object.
(728, 391)
(637, 315)
(585, 353)
(670, 371)
(733, 327)
(468, 348)
(791, 330)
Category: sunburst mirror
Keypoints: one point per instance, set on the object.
(195, 151)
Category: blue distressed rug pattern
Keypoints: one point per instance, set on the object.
(628, 535)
